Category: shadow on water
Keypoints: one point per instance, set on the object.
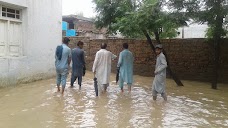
(39, 105)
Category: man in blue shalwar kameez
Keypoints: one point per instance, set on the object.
(62, 62)
(125, 65)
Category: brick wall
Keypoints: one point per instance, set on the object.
(190, 59)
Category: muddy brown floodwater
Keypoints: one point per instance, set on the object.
(37, 105)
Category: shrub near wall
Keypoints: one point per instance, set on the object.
(190, 59)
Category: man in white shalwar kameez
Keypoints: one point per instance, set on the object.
(158, 86)
(102, 67)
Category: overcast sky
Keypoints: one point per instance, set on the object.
(78, 6)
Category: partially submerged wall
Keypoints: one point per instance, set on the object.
(190, 59)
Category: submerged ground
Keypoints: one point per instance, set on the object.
(37, 105)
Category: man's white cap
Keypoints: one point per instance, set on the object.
(158, 46)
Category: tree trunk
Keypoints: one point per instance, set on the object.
(216, 64)
(217, 38)
(173, 75)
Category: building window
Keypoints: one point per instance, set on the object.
(11, 32)
(71, 25)
(10, 13)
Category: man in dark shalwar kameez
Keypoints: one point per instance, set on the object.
(78, 64)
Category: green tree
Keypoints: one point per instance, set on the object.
(212, 12)
(138, 19)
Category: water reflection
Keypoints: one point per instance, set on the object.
(194, 105)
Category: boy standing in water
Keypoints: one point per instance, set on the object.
(160, 74)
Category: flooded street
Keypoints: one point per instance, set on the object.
(37, 105)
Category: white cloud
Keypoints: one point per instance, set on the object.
(78, 6)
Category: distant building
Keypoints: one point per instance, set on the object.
(30, 30)
(196, 30)
(84, 27)
(199, 30)
(193, 31)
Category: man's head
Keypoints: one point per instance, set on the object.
(103, 46)
(80, 44)
(158, 49)
(125, 45)
(66, 40)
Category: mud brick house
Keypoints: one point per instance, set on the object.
(84, 27)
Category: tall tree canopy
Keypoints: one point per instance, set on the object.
(214, 14)
(138, 19)
(130, 17)
(161, 18)
(211, 12)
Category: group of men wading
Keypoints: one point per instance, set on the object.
(102, 67)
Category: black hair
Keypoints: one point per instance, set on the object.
(80, 43)
(125, 45)
(103, 46)
(66, 40)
